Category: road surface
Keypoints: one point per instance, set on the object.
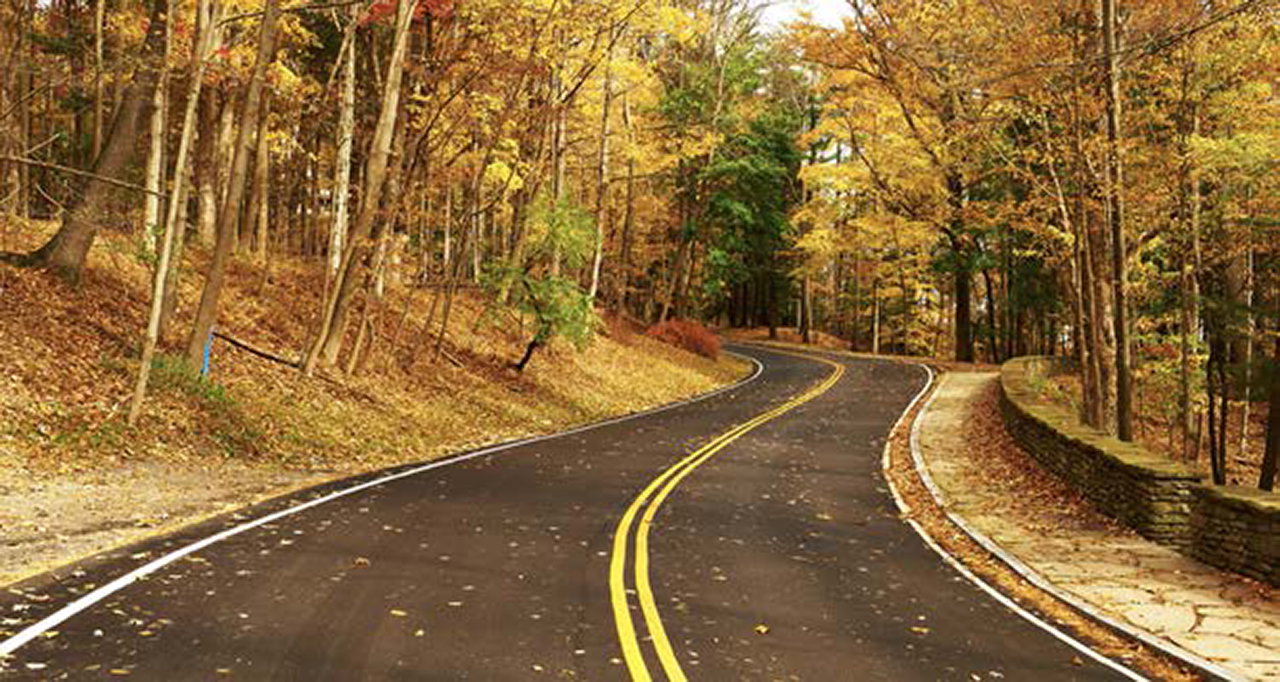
(747, 536)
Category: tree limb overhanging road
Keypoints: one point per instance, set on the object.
(750, 535)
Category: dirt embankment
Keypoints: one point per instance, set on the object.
(75, 478)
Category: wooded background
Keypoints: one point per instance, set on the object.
(954, 178)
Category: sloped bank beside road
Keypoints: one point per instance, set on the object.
(74, 479)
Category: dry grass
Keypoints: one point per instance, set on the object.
(68, 357)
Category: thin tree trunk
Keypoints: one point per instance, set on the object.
(628, 219)
(173, 220)
(602, 179)
(1116, 218)
(1267, 474)
(1190, 295)
(229, 215)
(154, 182)
(806, 310)
(99, 68)
(207, 169)
(329, 339)
(1249, 327)
(875, 316)
(260, 203)
(342, 166)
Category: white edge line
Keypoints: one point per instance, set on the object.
(955, 563)
(8, 646)
(1037, 579)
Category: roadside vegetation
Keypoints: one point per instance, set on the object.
(339, 235)
(1088, 179)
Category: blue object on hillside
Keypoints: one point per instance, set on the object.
(204, 364)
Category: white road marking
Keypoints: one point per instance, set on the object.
(955, 563)
(60, 616)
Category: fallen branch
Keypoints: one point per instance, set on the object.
(255, 351)
(449, 356)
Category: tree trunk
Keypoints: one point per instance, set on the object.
(1267, 475)
(229, 214)
(1116, 218)
(963, 323)
(602, 187)
(66, 252)
(155, 171)
(329, 339)
(875, 316)
(173, 220)
(99, 68)
(806, 311)
(258, 207)
(628, 219)
(342, 166)
(206, 167)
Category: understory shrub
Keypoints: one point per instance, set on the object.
(687, 334)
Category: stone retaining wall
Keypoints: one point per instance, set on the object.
(1238, 529)
(1229, 527)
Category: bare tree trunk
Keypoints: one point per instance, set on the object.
(155, 147)
(169, 302)
(342, 167)
(229, 215)
(207, 169)
(1190, 296)
(806, 311)
(681, 256)
(329, 339)
(260, 203)
(446, 256)
(173, 220)
(1249, 328)
(875, 316)
(1267, 475)
(1116, 218)
(66, 252)
(99, 67)
(228, 134)
(602, 180)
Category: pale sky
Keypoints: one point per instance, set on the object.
(825, 12)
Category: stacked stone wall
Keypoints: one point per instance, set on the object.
(1233, 528)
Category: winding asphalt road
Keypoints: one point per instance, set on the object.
(772, 552)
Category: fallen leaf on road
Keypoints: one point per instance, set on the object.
(762, 629)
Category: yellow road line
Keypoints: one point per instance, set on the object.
(664, 484)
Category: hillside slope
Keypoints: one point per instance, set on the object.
(75, 478)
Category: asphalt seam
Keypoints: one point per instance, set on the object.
(31, 632)
(1035, 578)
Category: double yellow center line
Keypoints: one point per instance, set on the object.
(645, 506)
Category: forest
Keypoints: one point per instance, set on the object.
(961, 179)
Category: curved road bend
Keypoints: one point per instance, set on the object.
(779, 557)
